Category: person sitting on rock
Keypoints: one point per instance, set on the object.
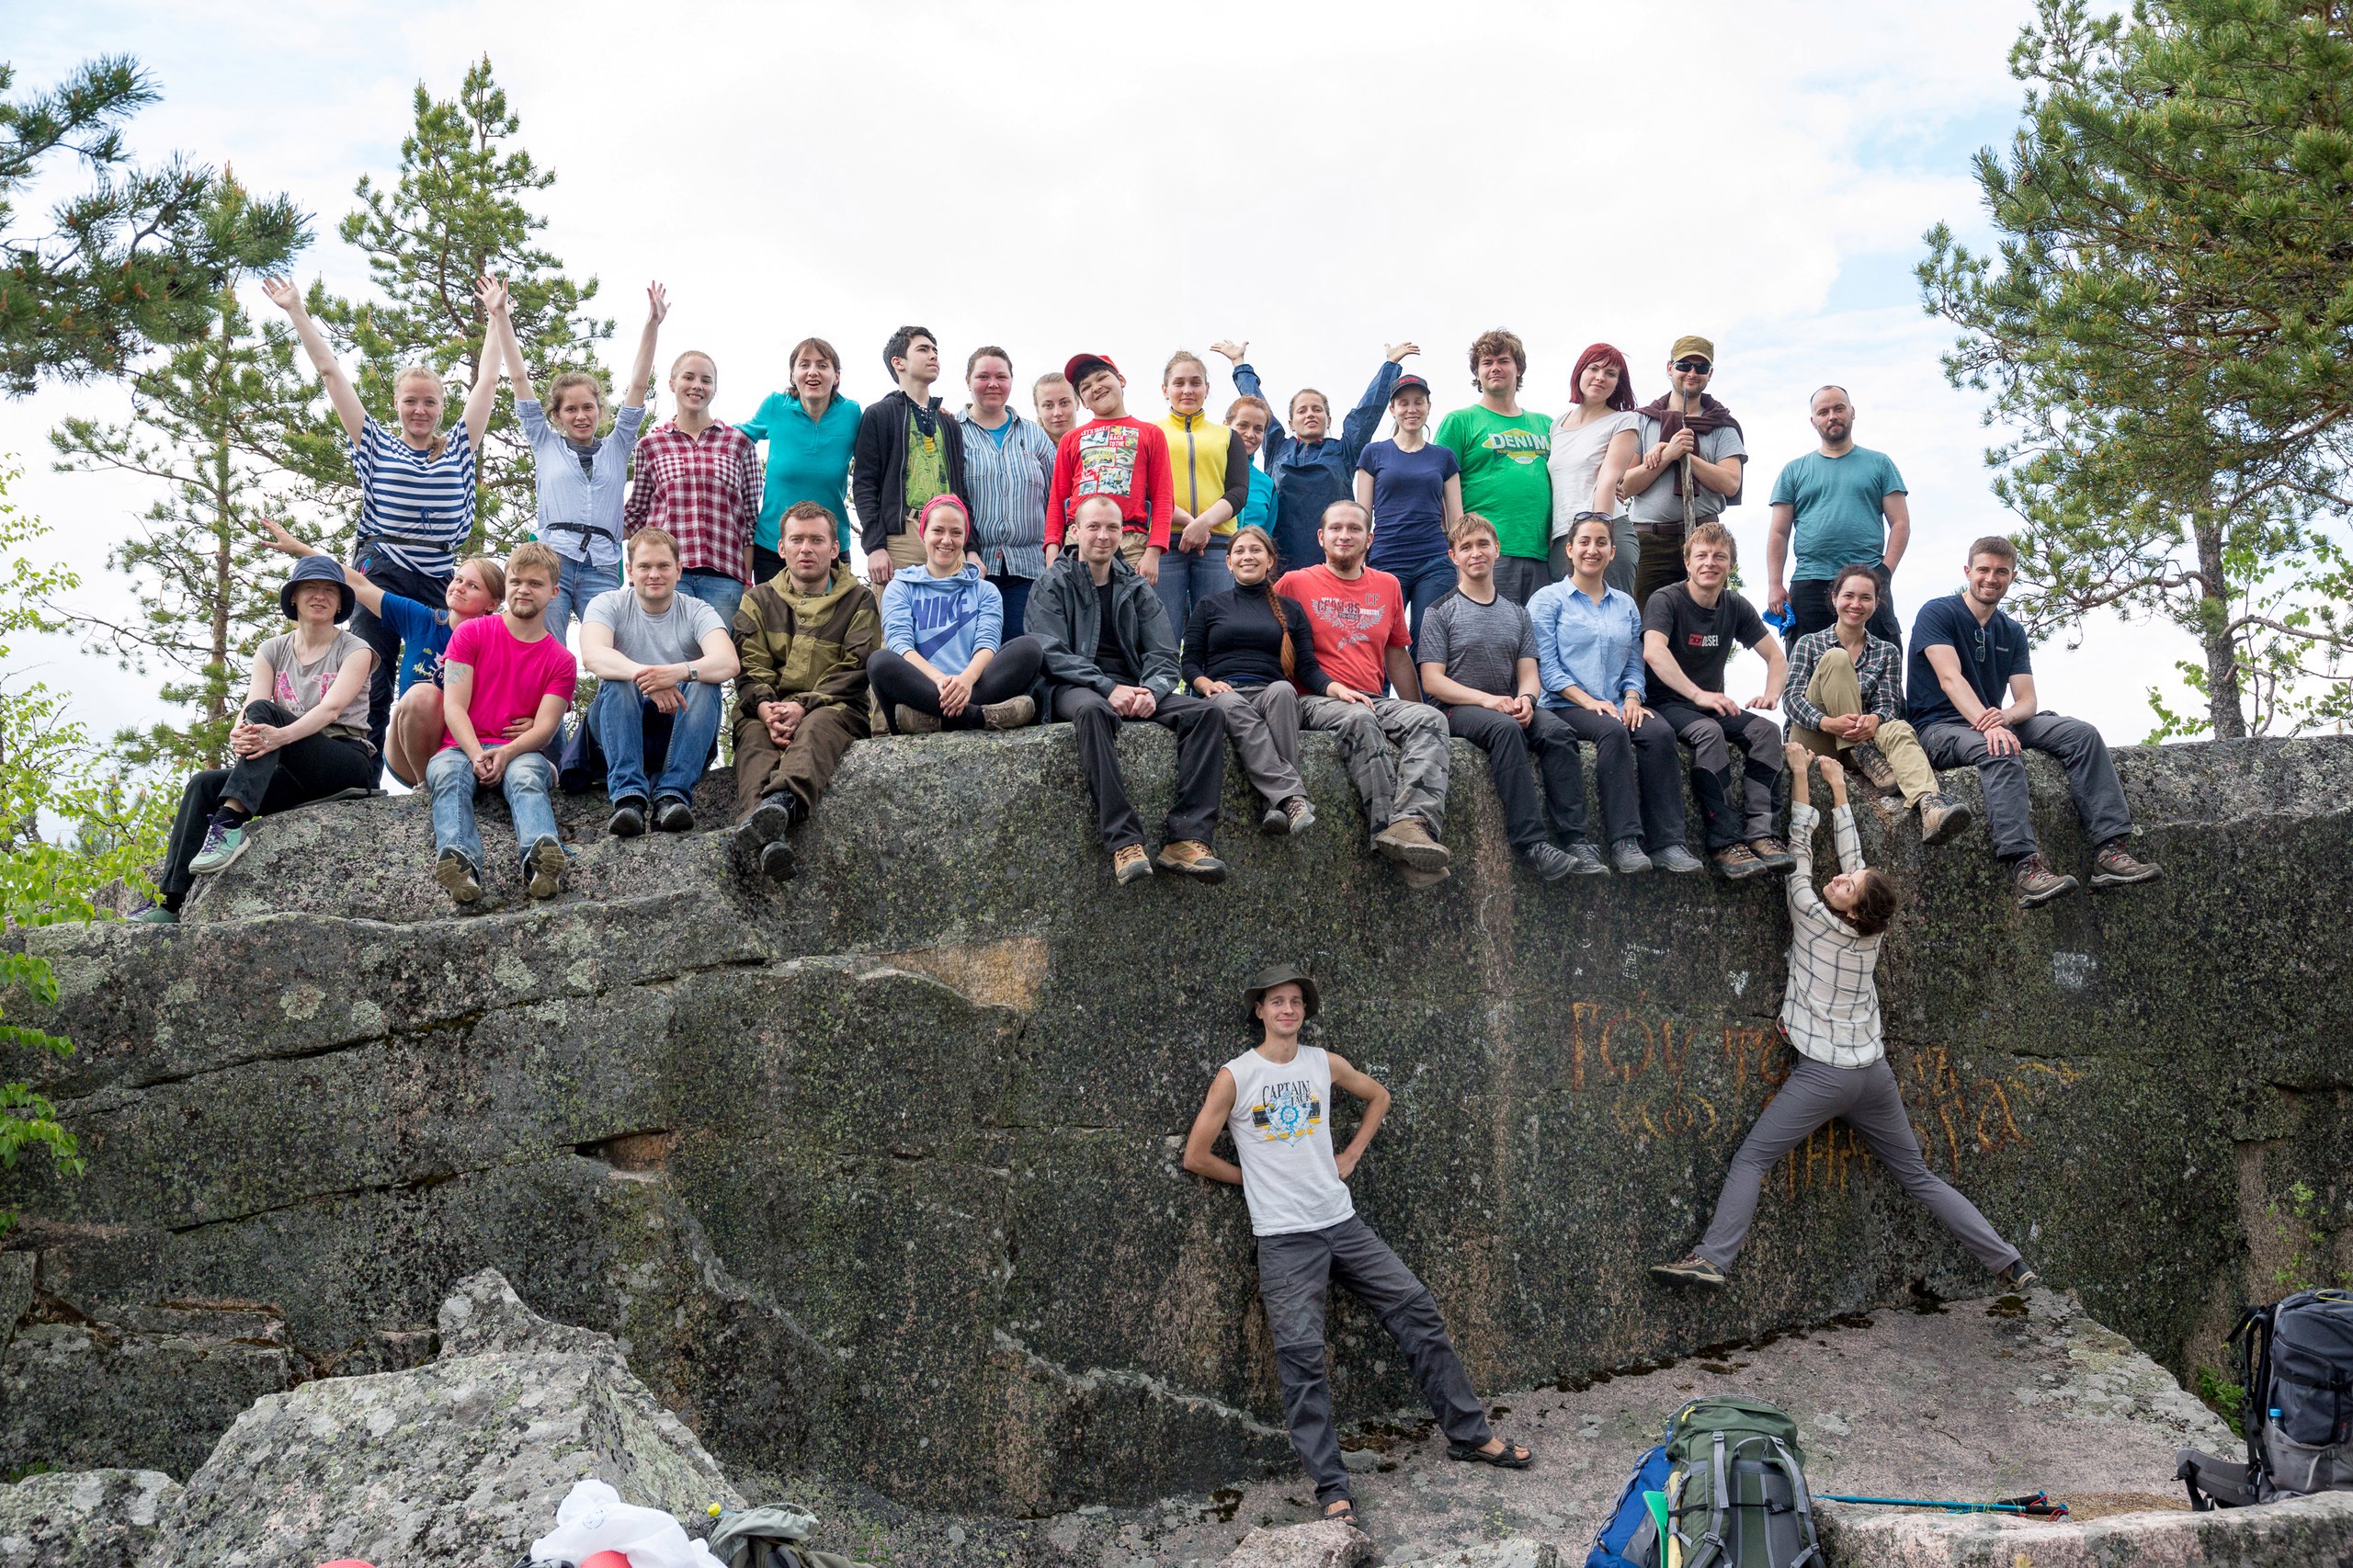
(945, 661)
(1275, 1100)
(1110, 659)
(1831, 1019)
(660, 657)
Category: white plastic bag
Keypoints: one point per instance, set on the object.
(594, 1518)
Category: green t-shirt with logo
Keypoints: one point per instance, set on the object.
(1504, 475)
(926, 465)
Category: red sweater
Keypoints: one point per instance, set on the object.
(1125, 459)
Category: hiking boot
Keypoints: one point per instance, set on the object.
(1409, 843)
(545, 864)
(2037, 883)
(764, 831)
(672, 814)
(628, 820)
(1548, 862)
(1689, 1269)
(777, 862)
(909, 720)
(155, 914)
(1871, 763)
(224, 844)
(1678, 857)
(1626, 857)
(1302, 813)
(457, 874)
(1584, 859)
(2114, 867)
(1772, 853)
(1129, 863)
(2018, 1277)
(1010, 714)
(1192, 857)
(1419, 880)
(1941, 817)
(1736, 862)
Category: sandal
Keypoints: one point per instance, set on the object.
(1346, 1515)
(1511, 1456)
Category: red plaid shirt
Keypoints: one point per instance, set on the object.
(703, 491)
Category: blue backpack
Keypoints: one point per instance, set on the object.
(1630, 1539)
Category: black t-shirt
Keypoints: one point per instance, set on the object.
(1702, 639)
(1990, 655)
(1111, 656)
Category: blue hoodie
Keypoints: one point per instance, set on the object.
(945, 619)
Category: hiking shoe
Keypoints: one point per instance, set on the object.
(2019, 1277)
(1420, 879)
(672, 814)
(1626, 857)
(1409, 843)
(2037, 883)
(1548, 862)
(1584, 859)
(457, 874)
(1129, 863)
(224, 844)
(1941, 817)
(1192, 857)
(1677, 857)
(2113, 866)
(1772, 853)
(1736, 862)
(777, 862)
(155, 914)
(1302, 813)
(545, 864)
(764, 831)
(1689, 1269)
(1871, 763)
(909, 720)
(1010, 714)
(628, 820)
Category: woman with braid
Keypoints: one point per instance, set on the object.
(1247, 650)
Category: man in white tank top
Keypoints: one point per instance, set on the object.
(1276, 1102)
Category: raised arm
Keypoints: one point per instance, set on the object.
(348, 407)
(369, 595)
(510, 353)
(1356, 430)
(479, 402)
(641, 374)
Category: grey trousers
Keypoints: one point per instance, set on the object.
(1411, 782)
(1294, 1271)
(2091, 777)
(1866, 1099)
(1263, 724)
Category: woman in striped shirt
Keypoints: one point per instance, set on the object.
(416, 481)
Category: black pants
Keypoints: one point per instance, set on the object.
(895, 681)
(311, 770)
(393, 578)
(1810, 602)
(1507, 746)
(1201, 763)
(766, 564)
(1660, 561)
(1711, 737)
(1637, 773)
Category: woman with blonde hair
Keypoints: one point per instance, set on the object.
(1212, 469)
(1248, 650)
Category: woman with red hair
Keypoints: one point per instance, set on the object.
(1593, 444)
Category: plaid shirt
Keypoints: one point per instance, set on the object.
(703, 491)
(1832, 1011)
(1880, 673)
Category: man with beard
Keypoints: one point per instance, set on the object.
(1844, 505)
(1691, 465)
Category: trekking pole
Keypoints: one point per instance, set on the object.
(2038, 1507)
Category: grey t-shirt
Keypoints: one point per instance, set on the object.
(299, 688)
(674, 637)
(1663, 502)
(1481, 645)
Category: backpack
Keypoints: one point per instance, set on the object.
(1629, 1538)
(2296, 1364)
(1734, 1480)
(770, 1537)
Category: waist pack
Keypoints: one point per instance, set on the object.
(2296, 1364)
(1734, 1494)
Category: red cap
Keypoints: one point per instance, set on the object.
(1082, 366)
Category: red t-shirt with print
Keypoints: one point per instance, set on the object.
(1353, 622)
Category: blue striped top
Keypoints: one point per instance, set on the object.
(415, 511)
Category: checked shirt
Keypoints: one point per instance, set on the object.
(703, 491)
(1880, 673)
(1832, 1011)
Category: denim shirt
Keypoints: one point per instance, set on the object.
(1593, 645)
(1007, 488)
(1310, 475)
(580, 513)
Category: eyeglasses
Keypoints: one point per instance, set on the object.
(1694, 364)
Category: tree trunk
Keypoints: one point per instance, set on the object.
(2225, 710)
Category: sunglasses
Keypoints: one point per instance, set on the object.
(1697, 366)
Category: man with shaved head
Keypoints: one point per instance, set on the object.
(1843, 506)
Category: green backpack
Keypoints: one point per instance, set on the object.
(1735, 1489)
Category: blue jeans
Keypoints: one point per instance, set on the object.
(716, 589)
(1423, 586)
(526, 782)
(629, 728)
(579, 584)
(1186, 580)
(1015, 592)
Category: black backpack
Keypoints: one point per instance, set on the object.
(2296, 1364)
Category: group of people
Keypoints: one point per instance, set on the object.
(1534, 585)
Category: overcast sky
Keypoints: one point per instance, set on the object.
(1318, 179)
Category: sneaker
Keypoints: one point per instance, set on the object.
(1676, 857)
(2037, 883)
(2018, 1277)
(908, 720)
(1584, 859)
(628, 819)
(1941, 817)
(457, 874)
(1771, 853)
(1736, 862)
(1548, 862)
(1129, 864)
(1192, 857)
(1689, 1269)
(1301, 812)
(155, 914)
(777, 861)
(1013, 714)
(1419, 880)
(224, 844)
(672, 814)
(545, 866)
(1871, 763)
(2113, 866)
(1407, 842)
(1626, 857)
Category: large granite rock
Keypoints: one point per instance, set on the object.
(84, 1519)
(874, 1176)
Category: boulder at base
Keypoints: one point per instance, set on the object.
(459, 1463)
(84, 1519)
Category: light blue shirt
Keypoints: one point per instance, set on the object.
(580, 513)
(1009, 472)
(1593, 644)
(945, 619)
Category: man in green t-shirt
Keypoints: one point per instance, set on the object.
(1501, 450)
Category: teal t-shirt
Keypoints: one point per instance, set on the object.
(1837, 502)
(1504, 478)
(806, 461)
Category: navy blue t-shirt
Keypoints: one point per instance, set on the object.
(1990, 655)
(1409, 503)
(424, 637)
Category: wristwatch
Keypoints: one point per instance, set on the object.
(691, 676)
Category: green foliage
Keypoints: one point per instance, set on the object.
(2303, 1242)
(2223, 1397)
(132, 262)
(2164, 334)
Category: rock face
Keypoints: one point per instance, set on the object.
(2277, 1535)
(85, 1518)
(875, 1175)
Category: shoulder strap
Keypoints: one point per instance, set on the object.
(1711, 1547)
(1803, 1500)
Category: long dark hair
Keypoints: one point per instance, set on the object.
(1274, 600)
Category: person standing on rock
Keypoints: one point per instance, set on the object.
(1831, 1019)
(1692, 459)
(908, 450)
(1275, 1100)
(1841, 506)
